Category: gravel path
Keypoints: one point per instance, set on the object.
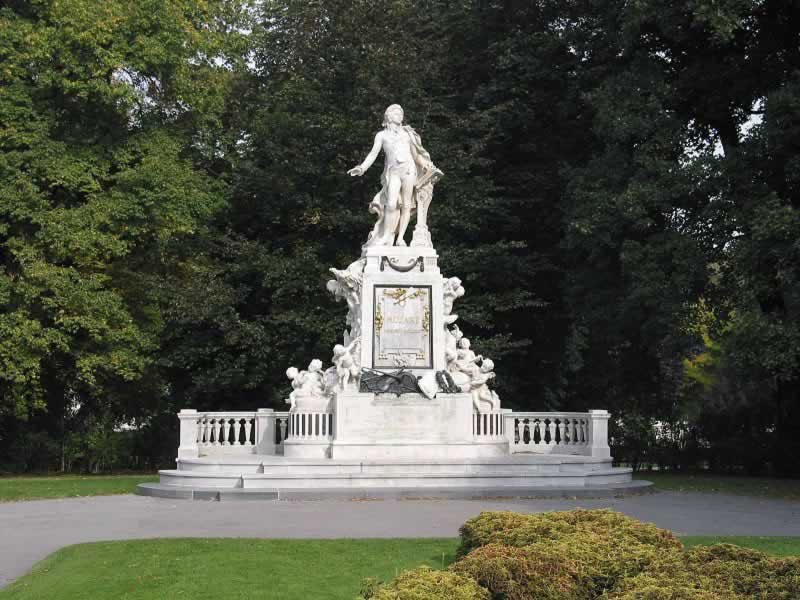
(32, 530)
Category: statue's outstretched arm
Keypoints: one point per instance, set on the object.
(373, 154)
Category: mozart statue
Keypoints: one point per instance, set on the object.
(406, 183)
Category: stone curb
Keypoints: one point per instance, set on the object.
(158, 490)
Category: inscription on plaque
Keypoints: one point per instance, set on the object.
(402, 327)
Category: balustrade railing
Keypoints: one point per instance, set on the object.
(248, 432)
(310, 426)
(264, 431)
(488, 425)
(558, 433)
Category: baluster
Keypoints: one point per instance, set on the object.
(518, 427)
(560, 425)
(207, 431)
(248, 427)
(548, 435)
(583, 431)
(283, 430)
(214, 432)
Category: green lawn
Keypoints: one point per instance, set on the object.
(251, 569)
(68, 486)
(224, 568)
(730, 484)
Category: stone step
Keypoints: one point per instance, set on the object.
(471, 493)
(521, 477)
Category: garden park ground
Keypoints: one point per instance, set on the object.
(339, 542)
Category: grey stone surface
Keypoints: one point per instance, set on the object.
(596, 491)
(32, 530)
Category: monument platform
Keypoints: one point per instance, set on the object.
(515, 475)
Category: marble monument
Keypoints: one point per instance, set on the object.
(405, 401)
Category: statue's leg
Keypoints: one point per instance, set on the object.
(391, 212)
(407, 193)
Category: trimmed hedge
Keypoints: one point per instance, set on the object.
(588, 555)
(425, 584)
(722, 571)
(581, 564)
(515, 529)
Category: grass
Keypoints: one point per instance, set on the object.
(253, 568)
(768, 487)
(225, 568)
(68, 486)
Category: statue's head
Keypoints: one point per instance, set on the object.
(454, 283)
(393, 114)
(291, 373)
(315, 365)
(487, 366)
(338, 350)
(463, 343)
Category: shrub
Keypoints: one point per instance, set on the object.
(582, 564)
(719, 572)
(528, 572)
(514, 529)
(426, 584)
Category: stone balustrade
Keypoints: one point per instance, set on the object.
(264, 431)
(230, 433)
(558, 432)
(310, 426)
(488, 425)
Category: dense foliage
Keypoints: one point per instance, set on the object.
(621, 200)
(588, 554)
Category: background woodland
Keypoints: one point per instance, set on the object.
(621, 200)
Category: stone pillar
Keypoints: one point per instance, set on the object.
(265, 431)
(188, 435)
(598, 434)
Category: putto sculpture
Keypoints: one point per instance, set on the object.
(406, 182)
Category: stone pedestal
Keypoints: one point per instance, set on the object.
(401, 310)
(408, 426)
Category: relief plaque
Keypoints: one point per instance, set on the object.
(402, 327)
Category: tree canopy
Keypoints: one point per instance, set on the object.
(621, 200)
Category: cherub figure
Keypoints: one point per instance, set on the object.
(484, 399)
(452, 291)
(306, 384)
(346, 367)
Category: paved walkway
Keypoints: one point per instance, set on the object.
(29, 531)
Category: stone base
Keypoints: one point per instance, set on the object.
(416, 450)
(305, 449)
(271, 473)
(387, 426)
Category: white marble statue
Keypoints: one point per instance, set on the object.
(406, 183)
(347, 369)
(484, 399)
(308, 387)
(347, 287)
(451, 339)
(452, 291)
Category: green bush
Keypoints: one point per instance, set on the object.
(515, 529)
(750, 573)
(582, 564)
(715, 572)
(529, 572)
(588, 555)
(425, 584)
